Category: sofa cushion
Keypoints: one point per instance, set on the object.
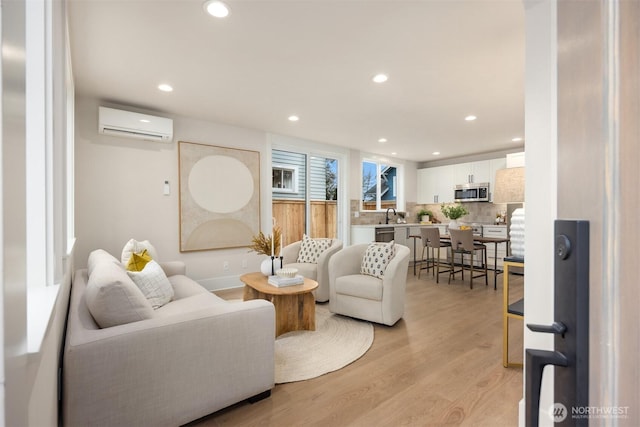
(311, 249)
(190, 304)
(376, 258)
(153, 283)
(360, 286)
(137, 262)
(133, 246)
(99, 256)
(112, 297)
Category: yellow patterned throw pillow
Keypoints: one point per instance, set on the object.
(138, 261)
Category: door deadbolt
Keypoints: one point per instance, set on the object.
(563, 246)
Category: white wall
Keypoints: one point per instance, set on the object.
(119, 193)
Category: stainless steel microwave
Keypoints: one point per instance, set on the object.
(472, 192)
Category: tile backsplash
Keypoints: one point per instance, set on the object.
(481, 212)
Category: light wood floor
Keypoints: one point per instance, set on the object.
(439, 365)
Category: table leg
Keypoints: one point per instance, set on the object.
(295, 312)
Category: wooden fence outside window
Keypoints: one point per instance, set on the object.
(290, 217)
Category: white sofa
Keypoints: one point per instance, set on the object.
(365, 297)
(317, 271)
(193, 356)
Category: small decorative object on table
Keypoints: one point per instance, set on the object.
(454, 212)
(287, 272)
(267, 244)
(280, 282)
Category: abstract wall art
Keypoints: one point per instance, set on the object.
(219, 196)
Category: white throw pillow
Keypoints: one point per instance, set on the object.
(133, 246)
(153, 283)
(311, 249)
(376, 258)
(111, 296)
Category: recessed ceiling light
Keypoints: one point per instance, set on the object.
(382, 140)
(145, 121)
(216, 8)
(394, 153)
(470, 118)
(436, 153)
(380, 78)
(517, 139)
(165, 88)
(294, 118)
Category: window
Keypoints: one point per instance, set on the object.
(284, 179)
(380, 186)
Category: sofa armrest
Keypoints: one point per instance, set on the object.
(173, 268)
(168, 370)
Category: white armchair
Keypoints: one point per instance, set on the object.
(318, 272)
(367, 297)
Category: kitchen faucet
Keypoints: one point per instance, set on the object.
(386, 216)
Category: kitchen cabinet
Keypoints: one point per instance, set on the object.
(435, 185)
(362, 234)
(472, 172)
(493, 255)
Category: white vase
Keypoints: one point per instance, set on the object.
(454, 224)
(265, 266)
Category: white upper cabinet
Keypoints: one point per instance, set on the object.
(435, 185)
(472, 172)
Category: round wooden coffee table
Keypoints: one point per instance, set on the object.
(295, 305)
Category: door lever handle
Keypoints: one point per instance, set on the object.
(557, 328)
(536, 360)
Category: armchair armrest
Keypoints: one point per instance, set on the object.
(290, 252)
(347, 261)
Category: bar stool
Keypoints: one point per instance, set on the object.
(431, 240)
(462, 243)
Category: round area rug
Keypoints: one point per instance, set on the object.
(336, 342)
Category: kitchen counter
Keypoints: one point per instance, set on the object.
(394, 224)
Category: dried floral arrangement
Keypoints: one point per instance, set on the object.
(261, 243)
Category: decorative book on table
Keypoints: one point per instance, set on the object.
(285, 281)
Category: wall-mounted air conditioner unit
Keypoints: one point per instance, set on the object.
(134, 125)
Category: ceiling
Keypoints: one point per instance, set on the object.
(316, 58)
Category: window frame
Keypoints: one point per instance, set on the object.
(294, 178)
(396, 187)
